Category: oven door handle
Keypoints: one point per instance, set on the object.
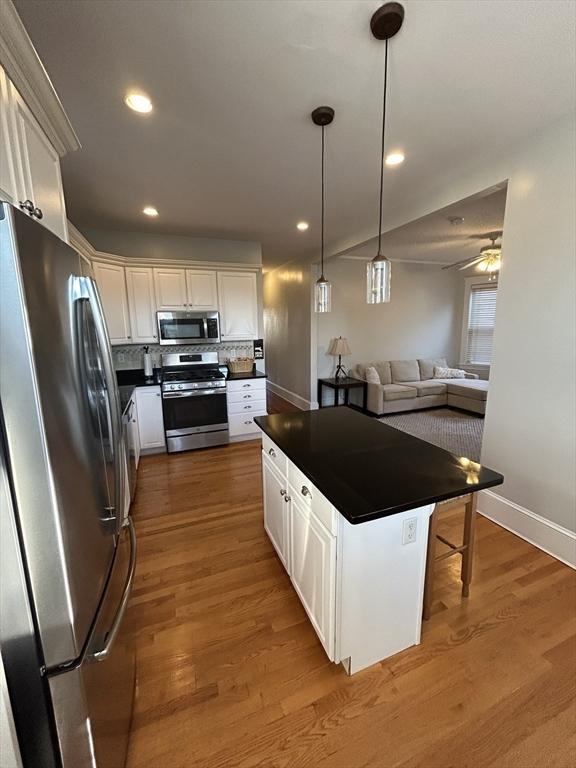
(194, 393)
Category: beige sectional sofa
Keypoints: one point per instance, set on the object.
(409, 385)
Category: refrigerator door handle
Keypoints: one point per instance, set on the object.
(103, 654)
(88, 290)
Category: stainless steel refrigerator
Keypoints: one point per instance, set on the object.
(68, 554)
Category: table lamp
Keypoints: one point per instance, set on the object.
(337, 348)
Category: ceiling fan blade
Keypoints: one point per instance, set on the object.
(494, 235)
(477, 260)
(458, 263)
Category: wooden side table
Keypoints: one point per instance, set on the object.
(345, 383)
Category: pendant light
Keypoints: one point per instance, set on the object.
(322, 116)
(385, 22)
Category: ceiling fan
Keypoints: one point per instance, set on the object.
(488, 260)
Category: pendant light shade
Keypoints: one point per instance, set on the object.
(378, 280)
(385, 23)
(322, 116)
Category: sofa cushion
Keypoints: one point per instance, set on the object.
(430, 387)
(427, 367)
(372, 375)
(397, 392)
(383, 369)
(476, 389)
(404, 370)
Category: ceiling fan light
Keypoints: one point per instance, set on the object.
(378, 275)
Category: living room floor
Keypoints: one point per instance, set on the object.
(231, 672)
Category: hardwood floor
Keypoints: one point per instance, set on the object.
(231, 672)
(277, 404)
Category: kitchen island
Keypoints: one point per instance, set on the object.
(347, 502)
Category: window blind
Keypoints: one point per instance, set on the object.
(481, 316)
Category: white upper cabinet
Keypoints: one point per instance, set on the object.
(8, 148)
(238, 305)
(170, 287)
(202, 289)
(40, 169)
(141, 305)
(112, 288)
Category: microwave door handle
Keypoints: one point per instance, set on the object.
(205, 326)
(103, 654)
(87, 289)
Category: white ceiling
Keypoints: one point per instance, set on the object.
(434, 239)
(230, 150)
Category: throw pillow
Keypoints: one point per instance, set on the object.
(372, 375)
(449, 373)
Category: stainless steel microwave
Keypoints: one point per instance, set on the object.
(183, 327)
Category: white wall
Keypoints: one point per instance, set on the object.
(423, 318)
(287, 330)
(531, 418)
(146, 245)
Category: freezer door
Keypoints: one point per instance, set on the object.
(93, 703)
(63, 430)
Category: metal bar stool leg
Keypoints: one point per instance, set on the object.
(469, 535)
(430, 564)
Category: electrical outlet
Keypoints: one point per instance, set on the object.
(409, 530)
(121, 357)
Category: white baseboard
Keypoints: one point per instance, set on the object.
(292, 397)
(544, 534)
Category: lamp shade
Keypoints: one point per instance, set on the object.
(339, 346)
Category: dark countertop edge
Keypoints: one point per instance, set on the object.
(387, 512)
(251, 375)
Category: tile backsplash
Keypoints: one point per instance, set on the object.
(130, 356)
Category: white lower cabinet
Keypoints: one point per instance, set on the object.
(276, 510)
(150, 418)
(246, 398)
(313, 571)
(361, 585)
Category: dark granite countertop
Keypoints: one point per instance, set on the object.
(135, 377)
(367, 469)
(254, 374)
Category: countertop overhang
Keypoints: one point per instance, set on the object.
(367, 469)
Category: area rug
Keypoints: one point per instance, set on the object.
(459, 433)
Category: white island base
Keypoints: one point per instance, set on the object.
(361, 585)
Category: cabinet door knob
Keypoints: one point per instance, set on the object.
(305, 491)
(287, 499)
(272, 453)
(37, 213)
(282, 492)
(27, 205)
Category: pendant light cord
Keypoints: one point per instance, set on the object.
(383, 139)
(322, 209)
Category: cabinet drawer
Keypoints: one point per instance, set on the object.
(251, 407)
(245, 395)
(310, 497)
(243, 424)
(246, 385)
(274, 454)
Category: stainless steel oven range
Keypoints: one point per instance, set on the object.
(193, 401)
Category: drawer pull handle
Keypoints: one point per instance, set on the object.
(247, 397)
(247, 407)
(248, 422)
(305, 491)
(246, 385)
(272, 453)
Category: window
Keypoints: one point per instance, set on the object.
(480, 313)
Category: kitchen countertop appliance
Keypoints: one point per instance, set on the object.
(68, 553)
(193, 401)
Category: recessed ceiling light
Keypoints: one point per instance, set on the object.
(394, 158)
(138, 102)
(149, 210)
(302, 226)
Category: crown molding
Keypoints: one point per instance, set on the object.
(87, 251)
(25, 69)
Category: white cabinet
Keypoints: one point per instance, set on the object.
(141, 305)
(111, 284)
(276, 510)
(134, 434)
(246, 398)
(202, 289)
(313, 571)
(238, 299)
(150, 419)
(30, 166)
(170, 287)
